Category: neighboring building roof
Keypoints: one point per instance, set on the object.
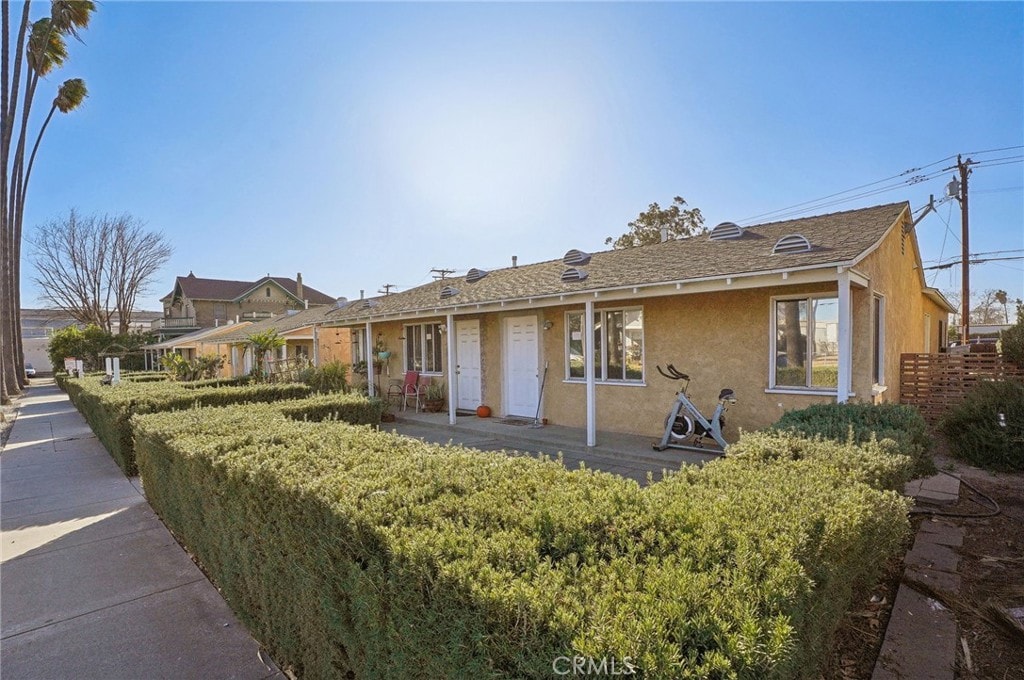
(195, 336)
(282, 323)
(39, 322)
(195, 288)
(841, 238)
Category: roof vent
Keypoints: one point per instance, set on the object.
(474, 275)
(793, 243)
(368, 303)
(573, 274)
(576, 258)
(448, 292)
(340, 302)
(726, 230)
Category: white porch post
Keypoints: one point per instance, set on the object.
(316, 345)
(453, 382)
(369, 360)
(845, 338)
(588, 372)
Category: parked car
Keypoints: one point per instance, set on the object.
(30, 371)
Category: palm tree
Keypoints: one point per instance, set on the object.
(40, 48)
(261, 343)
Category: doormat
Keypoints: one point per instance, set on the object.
(514, 421)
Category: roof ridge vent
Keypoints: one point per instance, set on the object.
(792, 243)
(474, 275)
(576, 258)
(368, 303)
(726, 230)
(449, 291)
(573, 274)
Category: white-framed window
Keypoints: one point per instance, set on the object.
(617, 345)
(878, 339)
(358, 345)
(424, 346)
(805, 343)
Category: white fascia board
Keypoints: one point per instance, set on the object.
(825, 273)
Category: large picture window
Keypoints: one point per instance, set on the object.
(424, 346)
(617, 345)
(805, 345)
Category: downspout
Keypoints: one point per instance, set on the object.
(452, 372)
(589, 373)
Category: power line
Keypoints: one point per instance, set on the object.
(971, 261)
(1005, 148)
(840, 193)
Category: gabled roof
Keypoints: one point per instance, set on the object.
(195, 288)
(201, 334)
(282, 323)
(837, 239)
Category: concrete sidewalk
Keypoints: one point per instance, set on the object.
(93, 584)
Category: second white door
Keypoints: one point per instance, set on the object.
(467, 348)
(522, 387)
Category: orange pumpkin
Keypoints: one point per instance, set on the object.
(483, 411)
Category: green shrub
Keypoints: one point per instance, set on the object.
(978, 434)
(330, 377)
(876, 463)
(347, 408)
(860, 423)
(349, 550)
(108, 409)
(1011, 341)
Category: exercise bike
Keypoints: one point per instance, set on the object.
(686, 427)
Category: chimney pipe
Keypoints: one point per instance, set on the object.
(664, 234)
(515, 261)
(298, 285)
(362, 293)
(305, 304)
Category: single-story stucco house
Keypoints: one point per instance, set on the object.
(786, 314)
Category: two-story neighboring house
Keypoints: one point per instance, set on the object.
(205, 303)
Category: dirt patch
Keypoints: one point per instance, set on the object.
(991, 568)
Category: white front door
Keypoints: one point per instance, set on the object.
(467, 364)
(522, 387)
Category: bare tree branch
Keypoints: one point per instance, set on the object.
(94, 267)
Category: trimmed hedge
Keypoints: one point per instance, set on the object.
(977, 434)
(348, 550)
(876, 463)
(862, 423)
(108, 409)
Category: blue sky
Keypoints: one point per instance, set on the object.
(364, 144)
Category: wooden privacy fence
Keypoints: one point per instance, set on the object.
(935, 382)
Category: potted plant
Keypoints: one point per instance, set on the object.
(435, 396)
(381, 353)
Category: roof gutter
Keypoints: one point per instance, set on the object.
(552, 299)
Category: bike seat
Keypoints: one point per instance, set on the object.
(725, 394)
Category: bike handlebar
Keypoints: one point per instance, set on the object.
(673, 373)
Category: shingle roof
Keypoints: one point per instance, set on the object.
(282, 323)
(222, 289)
(201, 334)
(835, 238)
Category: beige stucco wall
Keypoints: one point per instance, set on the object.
(719, 339)
(893, 270)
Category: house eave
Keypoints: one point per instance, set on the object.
(818, 273)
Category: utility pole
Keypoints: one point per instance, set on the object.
(387, 289)
(965, 268)
(441, 274)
